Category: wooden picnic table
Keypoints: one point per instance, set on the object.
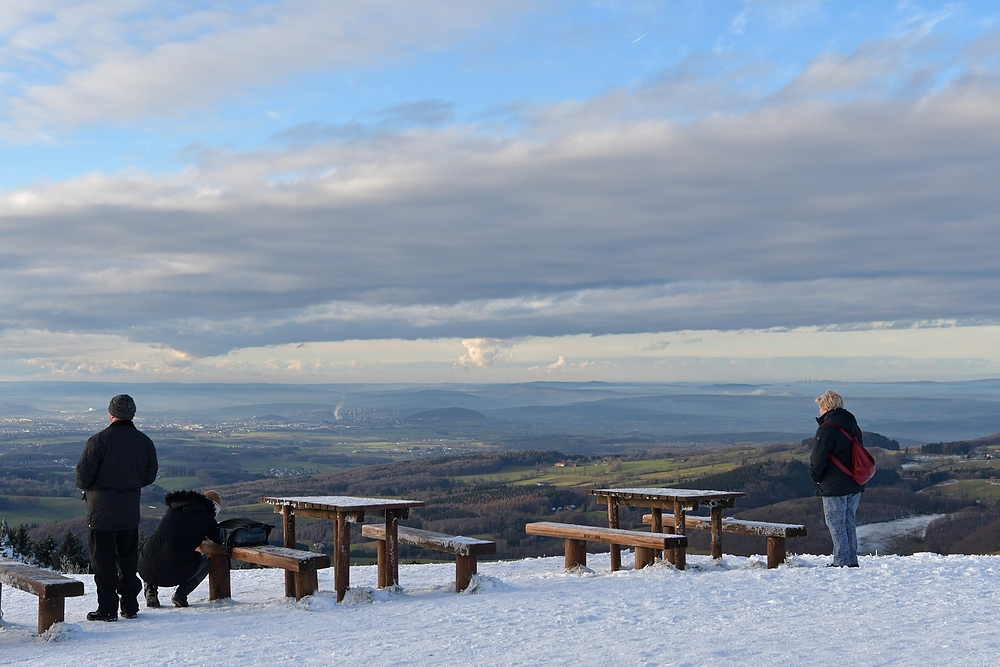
(680, 500)
(343, 511)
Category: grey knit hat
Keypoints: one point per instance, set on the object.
(122, 406)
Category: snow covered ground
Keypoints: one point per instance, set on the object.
(892, 611)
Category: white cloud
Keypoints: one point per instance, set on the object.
(483, 352)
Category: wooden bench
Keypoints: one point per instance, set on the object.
(51, 588)
(302, 564)
(466, 550)
(776, 533)
(646, 544)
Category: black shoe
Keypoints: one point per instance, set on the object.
(854, 565)
(179, 600)
(101, 616)
(152, 601)
(129, 614)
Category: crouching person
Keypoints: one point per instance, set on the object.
(169, 558)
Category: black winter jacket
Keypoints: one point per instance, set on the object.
(115, 464)
(169, 558)
(831, 480)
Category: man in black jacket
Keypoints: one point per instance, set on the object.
(114, 466)
(841, 494)
(169, 558)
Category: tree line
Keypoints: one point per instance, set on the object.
(69, 555)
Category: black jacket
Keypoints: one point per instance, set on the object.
(115, 464)
(169, 558)
(831, 480)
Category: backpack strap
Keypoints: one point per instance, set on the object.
(833, 458)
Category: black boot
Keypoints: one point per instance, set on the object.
(101, 616)
(150, 592)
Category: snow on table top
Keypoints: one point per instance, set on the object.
(342, 502)
(892, 611)
(672, 493)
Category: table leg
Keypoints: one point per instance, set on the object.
(657, 525)
(392, 546)
(680, 556)
(288, 528)
(716, 533)
(342, 555)
(616, 554)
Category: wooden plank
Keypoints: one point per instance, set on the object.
(761, 528)
(43, 583)
(455, 544)
(294, 560)
(610, 535)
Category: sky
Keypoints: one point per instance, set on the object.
(307, 191)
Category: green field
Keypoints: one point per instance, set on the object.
(973, 489)
(48, 509)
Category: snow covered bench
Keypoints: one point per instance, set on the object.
(302, 564)
(646, 544)
(466, 550)
(776, 533)
(51, 588)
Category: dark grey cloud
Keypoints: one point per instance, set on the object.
(797, 213)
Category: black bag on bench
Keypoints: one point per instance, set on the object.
(243, 533)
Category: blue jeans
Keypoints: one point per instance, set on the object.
(839, 513)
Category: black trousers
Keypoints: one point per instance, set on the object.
(114, 557)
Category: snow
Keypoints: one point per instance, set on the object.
(674, 493)
(893, 610)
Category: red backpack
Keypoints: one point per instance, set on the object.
(861, 459)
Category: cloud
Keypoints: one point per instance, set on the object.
(122, 61)
(482, 352)
(801, 211)
(656, 345)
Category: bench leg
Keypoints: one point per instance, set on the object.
(465, 567)
(657, 526)
(576, 552)
(670, 554)
(219, 587)
(383, 565)
(775, 552)
(50, 610)
(306, 583)
(644, 556)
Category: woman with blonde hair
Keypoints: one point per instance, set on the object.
(841, 494)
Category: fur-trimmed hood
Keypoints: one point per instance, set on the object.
(188, 501)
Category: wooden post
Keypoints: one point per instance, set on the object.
(616, 554)
(775, 552)
(465, 567)
(306, 583)
(657, 526)
(576, 552)
(716, 533)
(392, 546)
(219, 586)
(679, 529)
(342, 555)
(644, 556)
(383, 571)
(50, 610)
(288, 528)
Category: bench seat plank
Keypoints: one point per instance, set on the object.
(761, 528)
(633, 538)
(455, 544)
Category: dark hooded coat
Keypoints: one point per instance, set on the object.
(114, 466)
(831, 480)
(169, 558)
